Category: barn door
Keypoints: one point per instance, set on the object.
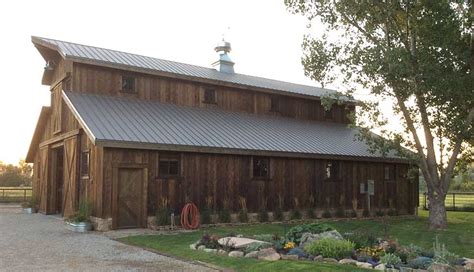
(70, 177)
(130, 197)
(42, 192)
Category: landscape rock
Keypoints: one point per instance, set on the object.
(363, 265)
(201, 247)
(406, 269)
(460, 268)
(469, 264)
(222, 252)
(318, 258)
(308, 237)
(330, 260)
(251, 254)
(210, 250)
(236, 254)
(268, 254)
(438, 267)
(237, 242)
(298, 252)
(289, 257)
(192, 246)
(380, 267)
(348, 261)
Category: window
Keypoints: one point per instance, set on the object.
(128, 84)
(333, 171)
(169, 165)
(328, 114)
(274, 104)
(85, 159)
(210, 96)
(261, 167)
(389, 172)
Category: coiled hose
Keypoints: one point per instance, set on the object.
(190, 216)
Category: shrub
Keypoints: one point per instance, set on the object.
(362, 239)
(390, 259)
(264, 237)
(243, 216)
(392, 212)
(327, 214)
(263, 216)
(351, 213)
(379, 213)
(295, 215)
(163, 217)
(205, 216)
(420, 263)
(278, 214)
(366, 213)
(373, 252)
(224, 216)
(83, 213)
(310, 213)
(340, 213)
(294, 234)
(442, 255)
(256, 247)
(330, 248)
(209, 241)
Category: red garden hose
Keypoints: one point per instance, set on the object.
(190, 216)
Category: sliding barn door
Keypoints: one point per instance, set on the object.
(70, 176)
(42, 189)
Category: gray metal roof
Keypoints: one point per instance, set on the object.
(101, 55)
(125, 122)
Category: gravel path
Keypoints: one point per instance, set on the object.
(36, 242)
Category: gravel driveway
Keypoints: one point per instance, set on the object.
(36, 242)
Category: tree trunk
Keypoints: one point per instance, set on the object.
(438, 219)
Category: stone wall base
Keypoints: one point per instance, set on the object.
(101, 224)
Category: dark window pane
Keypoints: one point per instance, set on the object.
(128, 84)
(169, 165)
(275, 104)
(210, 96)
(85, 164)
(260, 167)
(174, 168)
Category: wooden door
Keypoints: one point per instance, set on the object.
(130, 197)
(42, 192)
(70, 177)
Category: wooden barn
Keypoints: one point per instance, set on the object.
(126, 131)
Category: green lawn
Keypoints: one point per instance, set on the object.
(459, 238)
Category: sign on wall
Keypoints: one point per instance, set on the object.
(370, 187)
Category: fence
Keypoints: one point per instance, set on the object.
(12, 194)
(455, 201)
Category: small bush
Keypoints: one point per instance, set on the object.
(420, 263)
(310, 213)
(263, 216)
(351, 214)
(390, 259)
(362, 239)
(224, 216)
(209, 241)
(340, 213)
(379, 213)
(83, 213)
(256, 247)
(366, 213)
(163, 217)
(243, 216)
(327, 214)
(374, 253)
(442, 255)
(278, 214)
(264, 237)
(294, 234)
(330, 248)
(295, 215)
(205, 216)
(392, 212)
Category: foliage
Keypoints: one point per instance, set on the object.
(83, 213)
(295, 215)
(289, 245)
(16, 175)
(295, 233)
(243, 215)
(209, 241)
(278, 214)
(163, 213)
(263, 215)
(340, 213)
(379, 213)
(362, 239)
(330, 248)
(366, 213)
(224, 215)
(416, 55)
(256, 247)
(326, 214)
(265, 237)
(420, 263)
(351, 214)
(205, 216)
(298, 252)
(392, 212)
(373, 252)
(442, 255)
(390, 259)
(310, 213)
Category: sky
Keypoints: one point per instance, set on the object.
(266, 41)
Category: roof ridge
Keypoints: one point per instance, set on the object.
(178, 62)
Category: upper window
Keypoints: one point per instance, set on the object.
(128, 84)
(261, 167)
(210, 96)
(333, 171)
(169, 165)
(85, 159)
(389, 172)
(274, 104)
(328, 114)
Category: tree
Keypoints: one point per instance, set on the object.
(418, 54)
(15, 176)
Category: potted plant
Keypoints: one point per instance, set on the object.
(80, 221)
(30, 206)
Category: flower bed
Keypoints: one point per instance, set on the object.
(321, 243)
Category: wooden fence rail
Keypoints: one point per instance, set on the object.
(455, 201)
(15, 194)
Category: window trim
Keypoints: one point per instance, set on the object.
(168, 158)
(82, 173)
(134, 85)
(333, 176)
(214, 96)
(391, 172)
(260, 177)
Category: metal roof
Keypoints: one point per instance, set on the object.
(101, 55)
(133, 123)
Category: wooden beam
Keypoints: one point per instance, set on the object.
(60, 137)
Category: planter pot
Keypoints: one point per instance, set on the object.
(79, 226)
(29, 210)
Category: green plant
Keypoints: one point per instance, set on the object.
(379, 213)
(243, 215)
(442, 255)
(366, 213)
(420, 263)
(264, 237)
(390, 259)
(295, 215)
(340, 213)
(294, 234)
(256, 247)
(209, 241)
(310, 213)
(263, 215)
(224, 215)
(83, 213)
(278, 214)
(205, 216)
(392, 212)
(361, 239)
(351, 214)
(373, 252)
(327, 214)
(330, 248)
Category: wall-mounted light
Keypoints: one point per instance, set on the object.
(50, 65)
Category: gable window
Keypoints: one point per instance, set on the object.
(261, 167)
(128, 84)
(389, 172)
(333, 171)
(169, 165)
(274, 104)
(328, 114)
(210, 96)
(85, 160)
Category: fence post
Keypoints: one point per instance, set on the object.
(424, 201)
(24, 194)
(454, 201)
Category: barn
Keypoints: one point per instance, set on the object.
(127, 132)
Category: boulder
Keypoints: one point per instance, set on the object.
(318, 258)
(380, 267)
(268, 254)
(308, 237)
(222, 252)
(201, 247)
(348, 261)
(237, 242)
(192, 246)
(298, 252)
(406, 269)
(289, 257)
(210, 250)
(363, 265)
(469, 266)
(329, 260)
(251, 254)
(236, 254)
(438, 267)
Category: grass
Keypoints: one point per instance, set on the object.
(458, 239)
(14, 194)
